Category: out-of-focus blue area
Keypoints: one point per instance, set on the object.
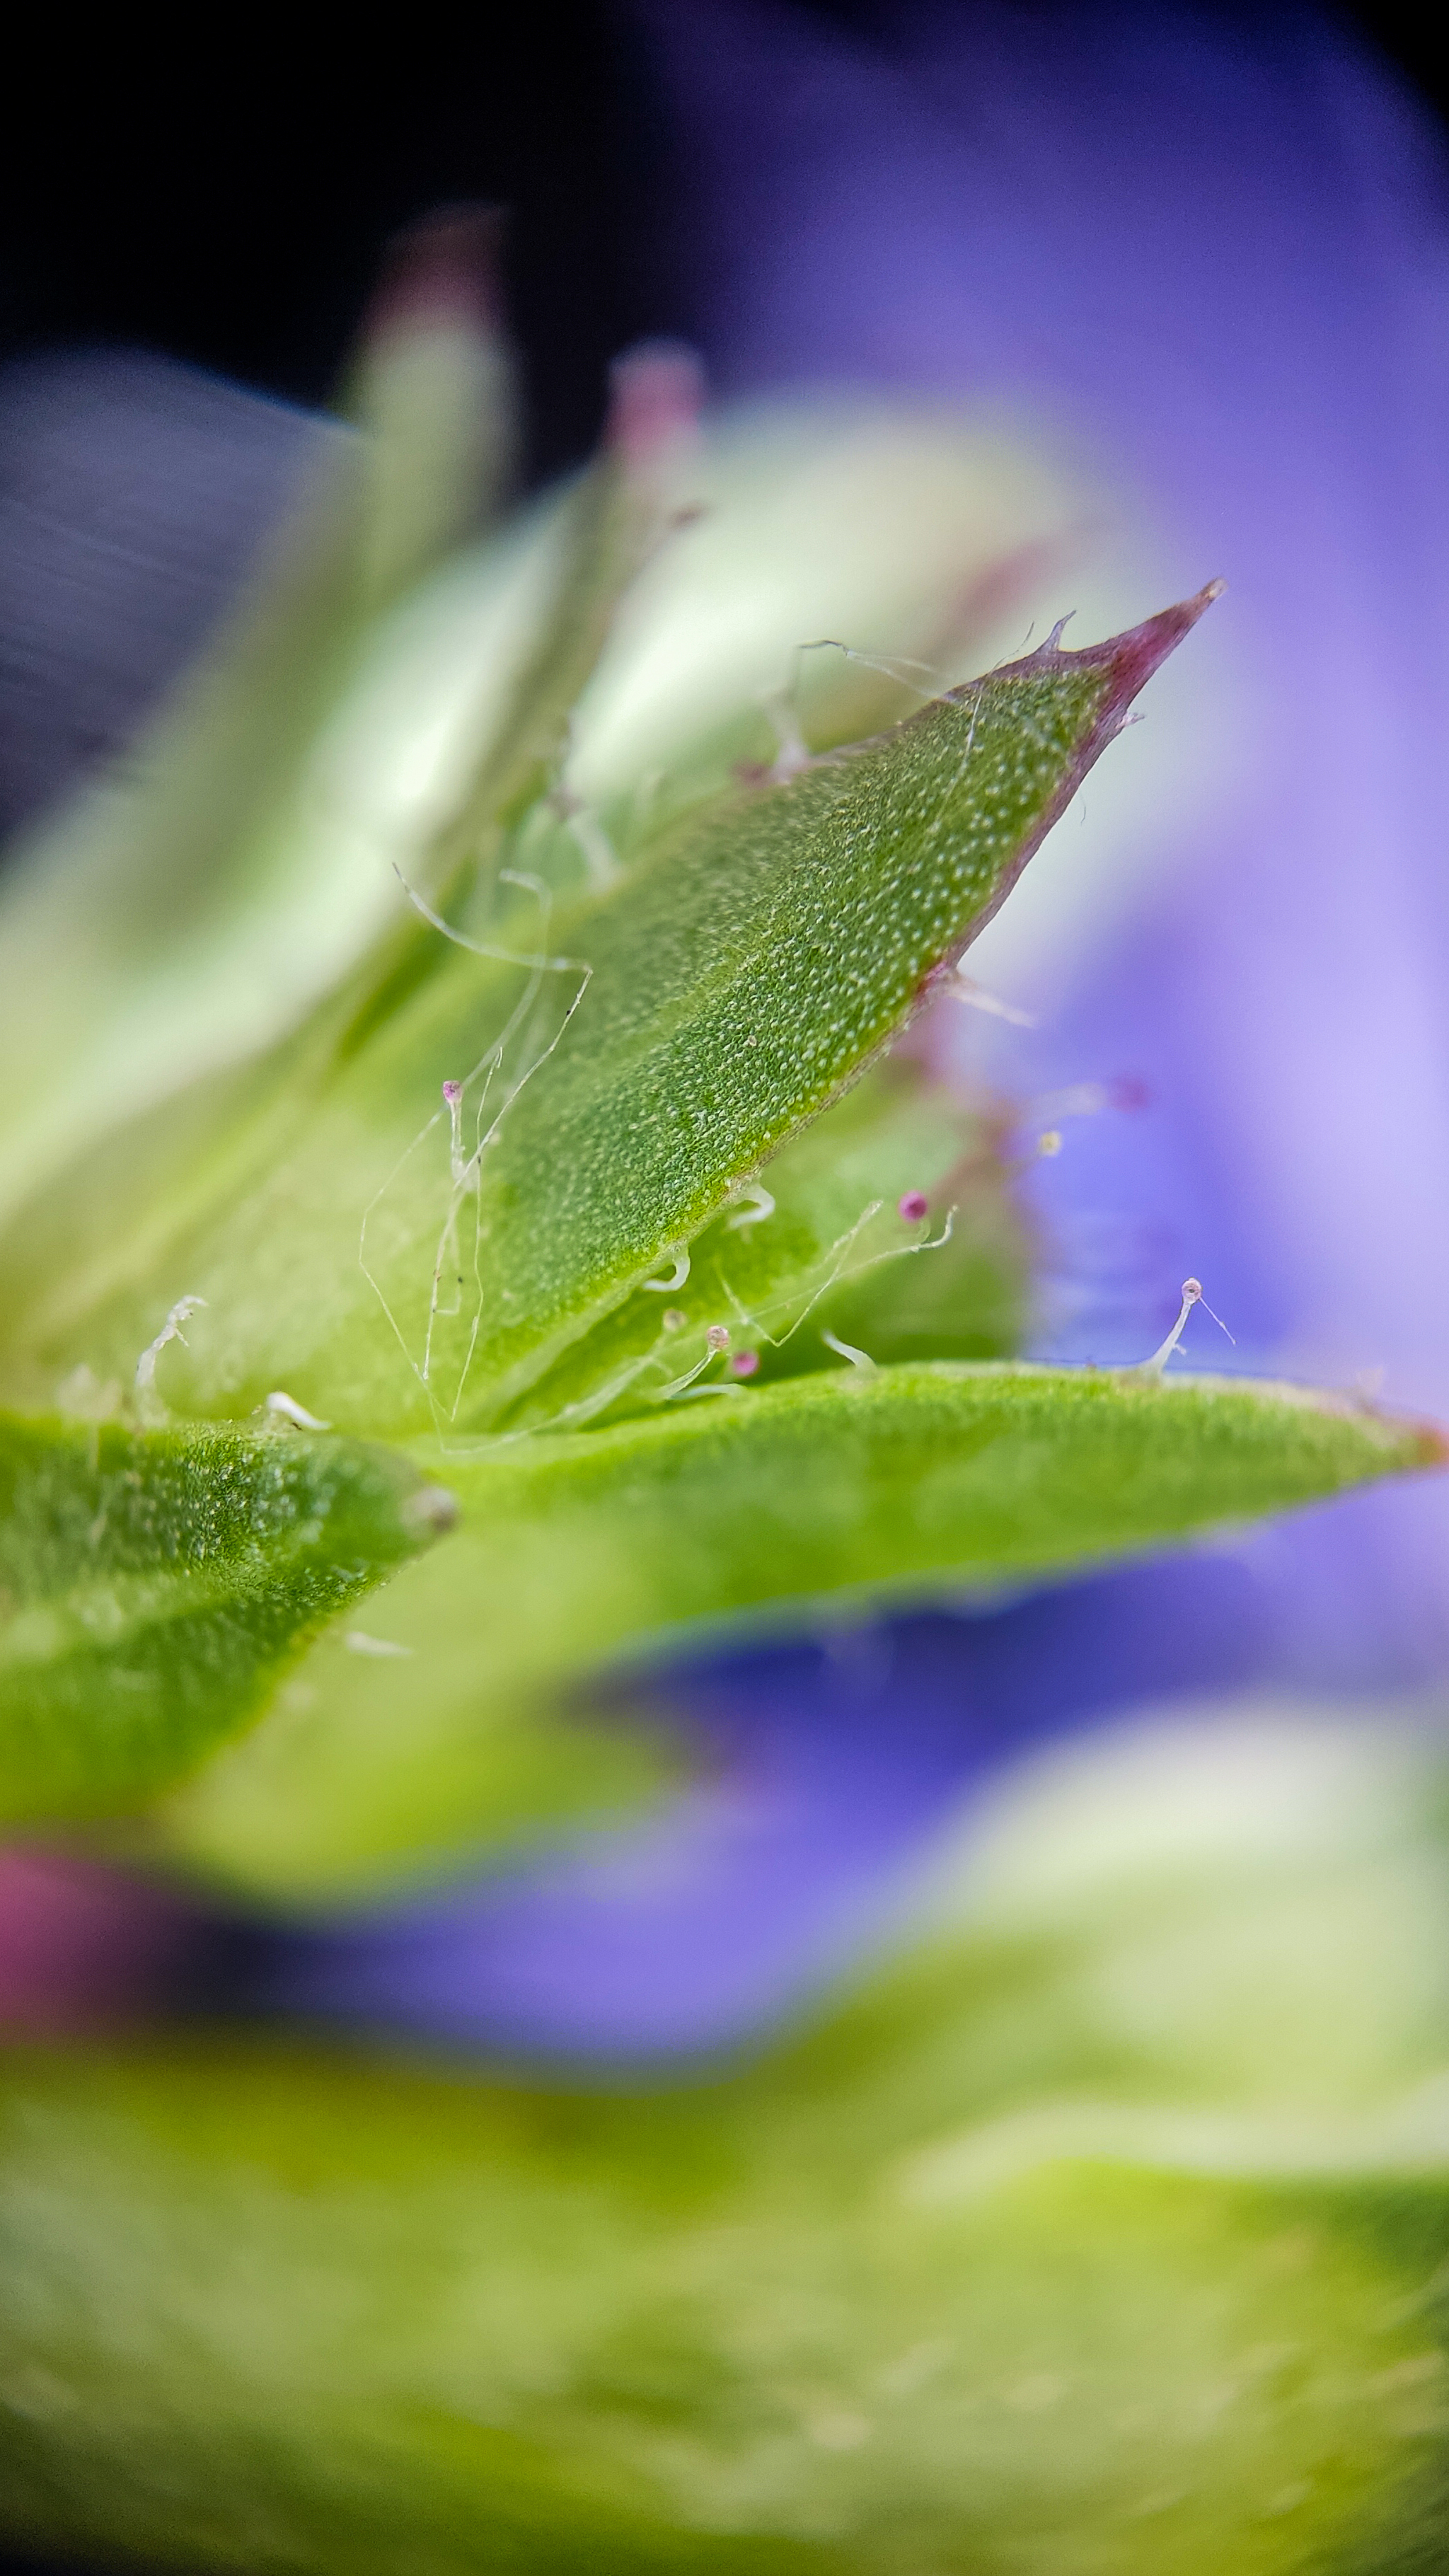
(1210, 247)
(826, 1771)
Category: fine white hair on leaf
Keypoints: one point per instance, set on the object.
(465, 1161)
(677, 1276)
(787, 1311)
(965, 988)
(835, 1265)
(358, 1642)
(1191, 1296)
(149, 1403)
(848, 1351)
(285, 1407)
(903, 668)
(484, 947)
(758, 1204)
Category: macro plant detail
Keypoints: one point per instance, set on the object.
(477, 1164)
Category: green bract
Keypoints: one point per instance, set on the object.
(472, 1016)
(401, 1259)
(155, 1582)
(817, 1498)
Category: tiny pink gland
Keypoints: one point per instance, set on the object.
(745, 1363)
(913, 1206)
(452, 1091)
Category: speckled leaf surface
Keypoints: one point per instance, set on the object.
(573, 1552)
(744, 978)
(827, 1237)
(668, 1038)
(153, 1584)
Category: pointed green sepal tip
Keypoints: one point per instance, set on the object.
(1113, 674)
(683, 1026)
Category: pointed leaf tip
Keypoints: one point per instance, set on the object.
(738, 983)
(1131, 658)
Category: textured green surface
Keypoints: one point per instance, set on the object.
(153, 1584)
(574, 1550)
(720, 997)
(1109, 2236)
(832, 1246)
(1106, 2230)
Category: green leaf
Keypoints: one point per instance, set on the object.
(958, 539)
(152, 1585)
(196, 907)
(574, 1552)
(432, 383)
(666, 1040)
(1058, 2248)
(734, 988)
(825, 1248)
(163, 919)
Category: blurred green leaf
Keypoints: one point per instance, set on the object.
(433, 384)
(614, 1090)
(192, 909)
(575, 1551)
(162, 911)
(1028, 2258)
(152, 1585)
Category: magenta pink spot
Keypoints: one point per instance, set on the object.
(913, 1206)
(82, 1947)
(1129, 1091)
(452, 1091)
(744, 1363)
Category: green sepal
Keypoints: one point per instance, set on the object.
(818, 1497)
(667, 1039)
(821, 1248)
(153, 1585)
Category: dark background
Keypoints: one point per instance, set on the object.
(228, 206)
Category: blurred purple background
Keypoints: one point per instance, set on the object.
(1212, 246)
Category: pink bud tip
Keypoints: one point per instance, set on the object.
(655, 397)
(718, 1337)
(452, 1091)
(1192, 1290)
(445, 270)
(913, 1206)
(744, 1363)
